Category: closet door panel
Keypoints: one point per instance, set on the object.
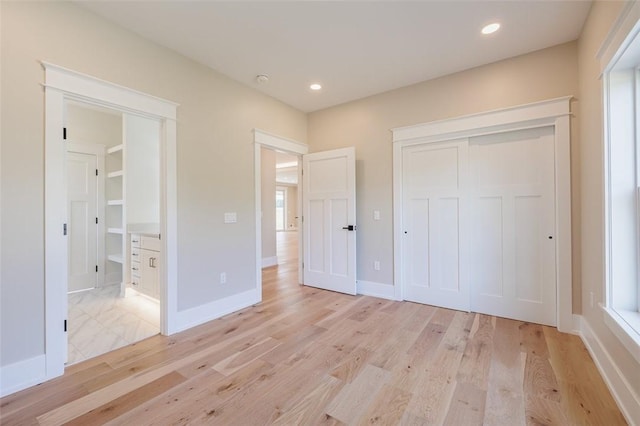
(433, 261)
(513, 217)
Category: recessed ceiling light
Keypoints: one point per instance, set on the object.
(491, 28)
(315, 86)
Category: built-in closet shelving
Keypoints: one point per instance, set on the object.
(115, 214)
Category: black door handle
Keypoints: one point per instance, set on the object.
(349, 228)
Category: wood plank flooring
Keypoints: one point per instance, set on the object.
(306, 356)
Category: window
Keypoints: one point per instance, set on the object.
(621, 82)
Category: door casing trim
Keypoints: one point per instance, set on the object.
(62, 84)
(261, 140)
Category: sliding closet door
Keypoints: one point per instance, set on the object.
(512, 270)
(434, 261)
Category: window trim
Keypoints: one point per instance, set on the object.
(621, 44)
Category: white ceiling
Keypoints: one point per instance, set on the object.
(353, 48)
(284, 160)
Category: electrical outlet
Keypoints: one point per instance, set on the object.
(376, 215)
(591, 299)
(376, 265)
(223, 278)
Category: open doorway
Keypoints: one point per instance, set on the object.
(279, 205)
(113, 190)
(265, 149)
(326, 243)
(287, 215)
(63, 85)
(279, 220)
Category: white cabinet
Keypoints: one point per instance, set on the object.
(145, 264)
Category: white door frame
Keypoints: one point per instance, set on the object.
(553, 112)
(262, 139)
(62, 84)
(99, 151)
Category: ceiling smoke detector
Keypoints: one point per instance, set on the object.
(262, 78)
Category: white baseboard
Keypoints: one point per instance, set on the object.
(577, 321)
(269, 261)
(216, 309)
(370, 288)
(22, 374)
(627, 400)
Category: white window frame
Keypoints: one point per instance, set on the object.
(620, 60)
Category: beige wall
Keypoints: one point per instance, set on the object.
(88, 125)
(214, 147)
(268, 194)
(601, 18)
(366, 124)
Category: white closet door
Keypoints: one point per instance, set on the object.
(329, 213)
(83, 230)
(512, 272)
(434, 229)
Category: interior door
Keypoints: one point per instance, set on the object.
(513, 205)
(329, 214)
(82, 227)
(434, 230)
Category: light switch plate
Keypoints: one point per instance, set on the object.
(230, 217)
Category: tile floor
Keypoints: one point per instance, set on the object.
(101, 321)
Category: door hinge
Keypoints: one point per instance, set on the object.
(64, 133)
(65, 326)
(159, 236)
(96, 172)
(64, 229)
(96, 268)
(96, 220)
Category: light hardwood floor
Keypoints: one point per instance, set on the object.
(306, 356)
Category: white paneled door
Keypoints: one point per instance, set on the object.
(434, 179)
(513, 247)
(82, 214)
(329, 214)
(479, 225)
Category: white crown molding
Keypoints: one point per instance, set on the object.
(278, 142)
(530, 115)
(86, 88)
